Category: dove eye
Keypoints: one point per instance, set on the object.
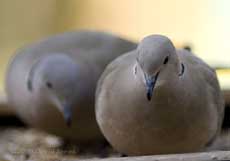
(166, 60)
(49, 85)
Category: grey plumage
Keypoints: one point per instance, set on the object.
(55, 79)
(180, 110)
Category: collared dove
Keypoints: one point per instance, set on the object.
(157, 99)
(54, 80)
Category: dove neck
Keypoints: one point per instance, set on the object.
(171, 77)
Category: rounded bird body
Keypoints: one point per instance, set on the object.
(51, 84)
(158, 100)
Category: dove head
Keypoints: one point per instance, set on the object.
(156, 55)
(55, 79)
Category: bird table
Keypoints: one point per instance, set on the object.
(208, 156)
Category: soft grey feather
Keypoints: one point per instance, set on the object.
(73, 62)
(185, 113)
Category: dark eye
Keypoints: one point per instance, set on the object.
(49, 85)
(166, 60)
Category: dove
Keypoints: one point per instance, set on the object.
(159, 100)
(51, 84)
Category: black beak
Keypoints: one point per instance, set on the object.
(67, 112)
(150, 84)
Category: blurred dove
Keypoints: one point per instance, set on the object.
(156, 100)
(51, 84)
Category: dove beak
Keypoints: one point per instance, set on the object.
(65, 109)
(150, 84)
(67, 114)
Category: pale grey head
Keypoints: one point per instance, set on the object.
(55, 78)
(156, 55)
